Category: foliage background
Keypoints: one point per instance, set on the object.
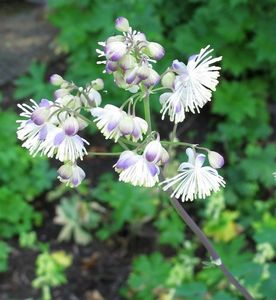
(239, 123)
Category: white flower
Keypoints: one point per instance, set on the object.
(193, 85)
(107, 120)
(71, 174)
(35, 129)
(194, 180)
(64, 143)
(115, 123)
(135, 169)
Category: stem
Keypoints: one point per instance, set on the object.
(46, 293)
(147, 110)
(175, 144)
(207, 244)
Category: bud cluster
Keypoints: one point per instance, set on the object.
(128, 57)
(52, 128)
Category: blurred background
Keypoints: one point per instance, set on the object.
(107, 240)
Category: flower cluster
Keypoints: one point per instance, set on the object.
(129, 56)
(142, 169)
(191, 85)
(52, 127)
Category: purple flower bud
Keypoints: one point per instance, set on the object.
(126, 160)
(155, 50)
(164, 156)
(115, 50)
(215, 159)
(153, 79)
(77, 176)
(70, 174)
(111, 66)
(143, 72)
(71, 126)
(56, 79)
(130, 76)
(126, 125)
(179, 67)
(40, 115)
(122, 24)
(153, 151)
(127, 62)
(95, 98)
(65, 171)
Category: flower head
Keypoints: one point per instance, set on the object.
(135, 169)
(194, 180)
(193, 85)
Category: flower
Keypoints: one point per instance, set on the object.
(135, 169)
(34, 130)
(71, 174)
(193, 85)
(115, 123)
(194, 180)
(64, 143)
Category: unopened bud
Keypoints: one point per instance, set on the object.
(168, 80)
(115, 50)
(56, 79)
(215, 159)
(153, 78)
(65, 172)
(155, 50)
(94, 98)
(71, 126)
(40, 115)
(143, 72)
(127, 62)
(97, 84)
(126, 125)
(122, 24)
(61, 93)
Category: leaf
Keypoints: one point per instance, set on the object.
(197, 290)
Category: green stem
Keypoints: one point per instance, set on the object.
(147, 111)
(46, 293)
(175, 144)
(103, 154)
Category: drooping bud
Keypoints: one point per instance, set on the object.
(155, 50)
(153, 151)
(56, 79)
(168, 80)
(164, 156)
(143, 72)
(111, 66)
(179, 67)
(70, 174)
(115, 50)
(127, 62)
(97, 84)
(130, 75)
(153, 78)
(215, 159)
(94, 98)
(71, 126)
(139, 37)
(126, 125)
(40, 115)
(61, 93)
(115, 38)
(122, 24)
(126, 159)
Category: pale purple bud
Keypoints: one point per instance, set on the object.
(97, 84)
(119, 80)
(143, 72)
(155, 50)
(153, 79)
(179, 67)
(127, 62)
(168, 80)
(111, 66)
(71, 126)
(56, 79)
(153, 151)
(130, 76)
(65, 171)
(44, 103)
(122, 24)
(82, 124)
(61, 93)
(115, 50)
(94, 97)
(77, 176)
(40, 115)
(126, 125)
(139, 37)
(115, 38)
(215, 159)
(126, 160)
